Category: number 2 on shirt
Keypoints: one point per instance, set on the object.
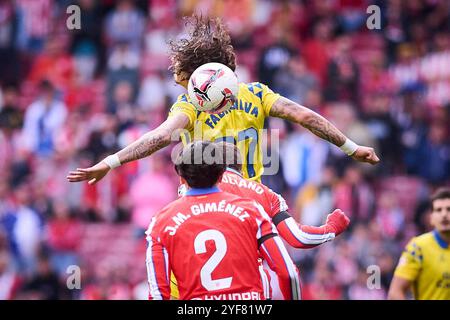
(221, 249)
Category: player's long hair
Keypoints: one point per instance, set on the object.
(208, 41)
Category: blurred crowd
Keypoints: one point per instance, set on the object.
(68, 98)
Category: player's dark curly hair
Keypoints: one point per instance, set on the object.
(207, 41)
(201, 164)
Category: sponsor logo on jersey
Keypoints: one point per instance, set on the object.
(251, 295)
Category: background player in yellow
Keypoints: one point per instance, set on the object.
(208, 41)
(424, 267)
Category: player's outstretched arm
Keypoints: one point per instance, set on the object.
(304, 236)
(143, 147)
(321, 127)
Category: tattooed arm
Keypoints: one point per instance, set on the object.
(154, 140)
(143, 147)
(286, 109)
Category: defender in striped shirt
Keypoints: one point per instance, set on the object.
(212, 241)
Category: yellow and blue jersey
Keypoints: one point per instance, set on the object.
(426, 263)
(242, 124)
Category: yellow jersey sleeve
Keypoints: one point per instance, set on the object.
(183, 106)
(268, 99)
(410, 262)
(174, 294)
(263, 92)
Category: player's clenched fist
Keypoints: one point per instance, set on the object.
(366, 154)
(338, 221)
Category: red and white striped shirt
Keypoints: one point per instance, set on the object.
(212, 241)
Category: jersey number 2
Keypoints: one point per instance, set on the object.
(221, 249)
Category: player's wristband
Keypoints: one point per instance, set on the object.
(349, 147)
(112, 161)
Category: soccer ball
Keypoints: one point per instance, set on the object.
(213, 88)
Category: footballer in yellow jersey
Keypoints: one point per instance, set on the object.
(241, 125)
(209, 41)
(424, 266)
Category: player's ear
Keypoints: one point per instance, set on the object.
(183, 181)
